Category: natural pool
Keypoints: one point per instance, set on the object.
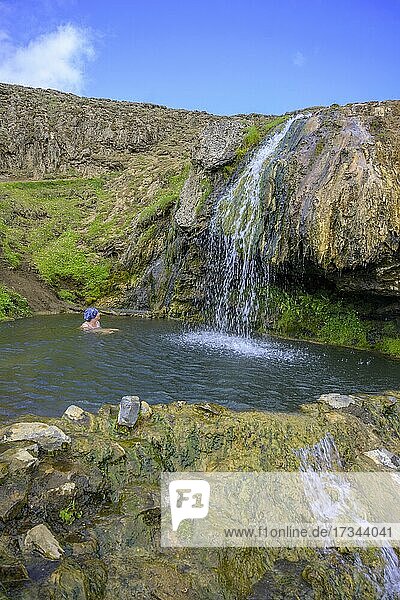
(48, 364)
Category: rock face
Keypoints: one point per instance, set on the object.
(332, 196)
(48, 132)
(60, 133)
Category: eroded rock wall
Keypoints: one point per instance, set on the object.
(332, 196)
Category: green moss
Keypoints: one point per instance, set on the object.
(228, 170)
(344, 328)
(147, 235)
(318, 317)
(266, 128)
(319, 146)
(70, 513)
(326, 317)
(154, 227)
(164, 200)
(63, 260)
(66, 295)
(12, 305)
(252, 137)
(206, 189)
(390, 346)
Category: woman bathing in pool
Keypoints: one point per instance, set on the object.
(92, 322)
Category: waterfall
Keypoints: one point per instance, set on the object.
(318, 460)
(236, 236)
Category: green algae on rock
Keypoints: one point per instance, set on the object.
(111, 474)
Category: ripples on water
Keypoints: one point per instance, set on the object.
(47, 364)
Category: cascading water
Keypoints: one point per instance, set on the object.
(236, 233)
(324, 457)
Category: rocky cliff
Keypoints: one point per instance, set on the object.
(128, 222)
(332, 196)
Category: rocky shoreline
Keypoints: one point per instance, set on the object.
(80, 507)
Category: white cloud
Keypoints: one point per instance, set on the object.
(299, 59)
(53, 60)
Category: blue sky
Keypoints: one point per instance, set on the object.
(221, 56)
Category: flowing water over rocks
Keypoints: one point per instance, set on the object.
(236, 240)
(99, 498)
(324, 457)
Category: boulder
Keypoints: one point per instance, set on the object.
(48, 437)
(337, 400)
(55, 486)
(129, 410)
(217, 143)
(13, 498)
(74, 413)
(41, 539)
(84, 580)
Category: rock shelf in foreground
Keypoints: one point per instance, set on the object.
(80, 519)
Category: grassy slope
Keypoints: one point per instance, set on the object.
(70, 233)
(51, 225)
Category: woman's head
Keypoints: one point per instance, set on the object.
(91, 313)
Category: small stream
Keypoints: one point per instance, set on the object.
(48, 364)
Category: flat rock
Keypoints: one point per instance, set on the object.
(48, 437)
(74, 413)
(19, 459)
(129, 410)
(384, 457)
(337, 400)
(41, 539)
